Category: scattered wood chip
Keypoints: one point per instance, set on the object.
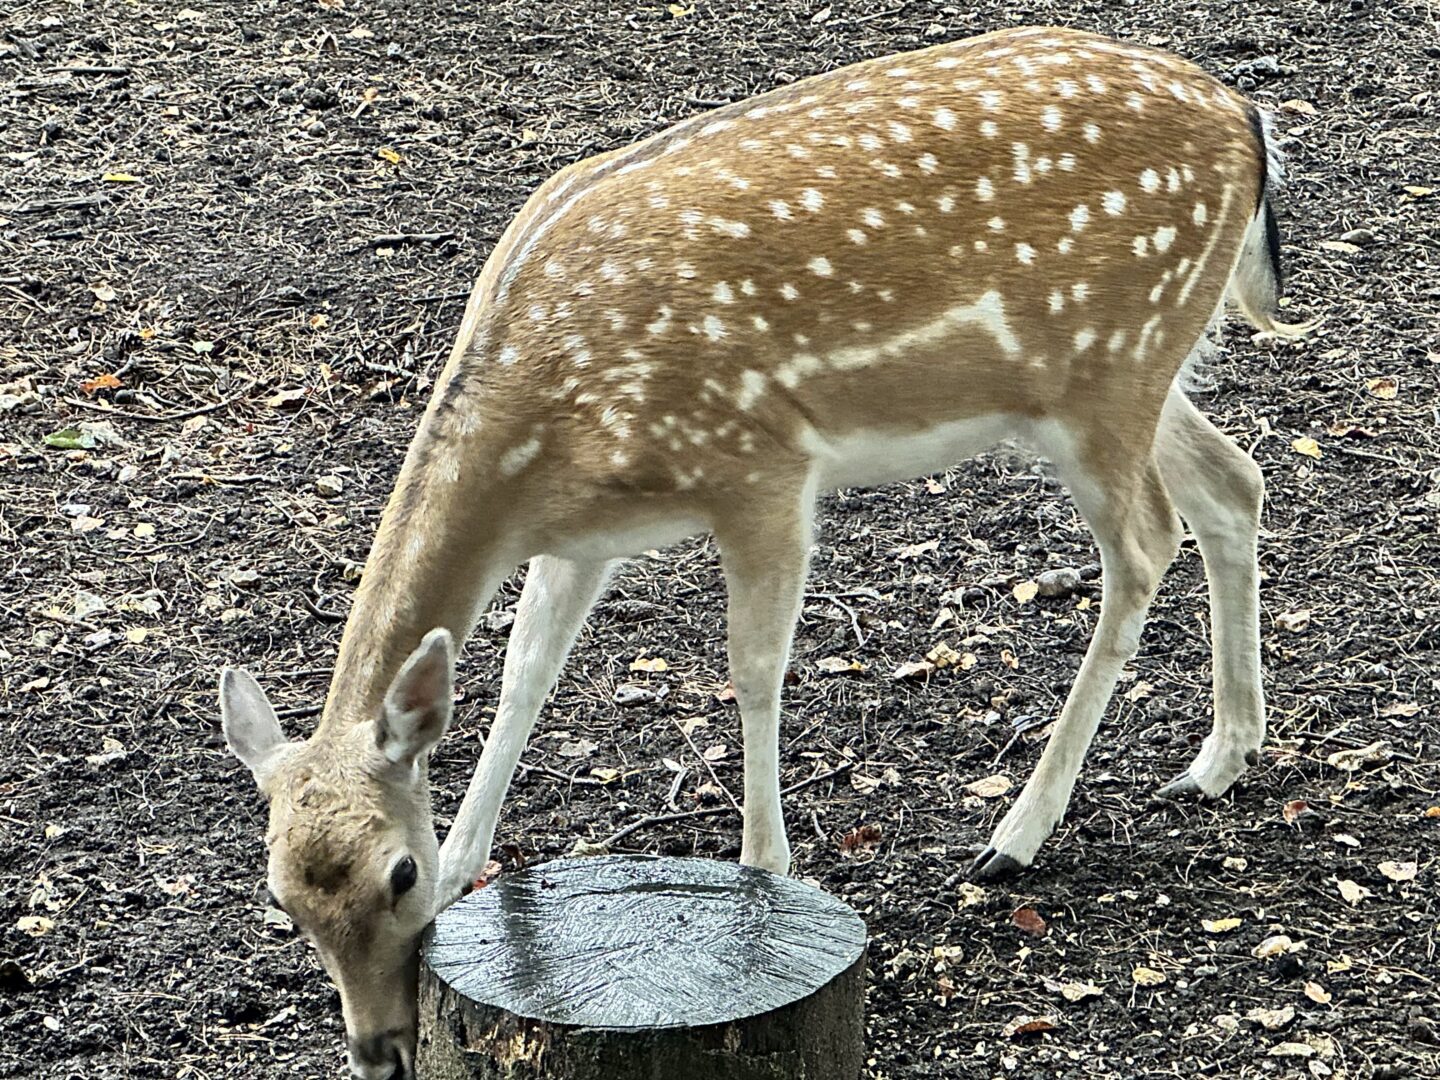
(1399, 871)
(990, 787)
(1147, 976)
(1272, 1019)
(1220, 926)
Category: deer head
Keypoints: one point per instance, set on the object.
(352, 849)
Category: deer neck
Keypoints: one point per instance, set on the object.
(442, 549)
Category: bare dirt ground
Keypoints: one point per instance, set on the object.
(237, 238)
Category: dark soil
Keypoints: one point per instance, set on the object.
(274, 296)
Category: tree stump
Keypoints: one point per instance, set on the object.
(643, 968)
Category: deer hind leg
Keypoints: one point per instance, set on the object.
(1138, 534)
(765, 557)
(557, 596)
(1218, 490)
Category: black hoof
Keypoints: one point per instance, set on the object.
(1182, 787)
(993, 866)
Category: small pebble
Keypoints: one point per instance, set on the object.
(330, 485)
(1060, 582)
(316, 129)
(1358, 237)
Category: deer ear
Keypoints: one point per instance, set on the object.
(418, 704)
(252, 731)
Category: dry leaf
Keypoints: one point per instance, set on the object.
(1377, 753)
(1079, 991)
(1009, 659)
(1025, 591)
(1341, 246)
(1274, 945)
(943, 655)
(654, 664)
(915, 550)
(1317, 993)
(34, 925)
(859, 840)
(1307, 446)
(1029, 921)
(1146, 976)
(1297, 105)
(605, 775)
(1139, 692)
(1350, 892)
(1399, 871)
(968, 894)
(1291, 1049)
(1383, 387)
(102, 382)
(838, 665)
(389, 155)
(1403, 709)
(120, 178)
(1417, 192)
(1028, 1025)
(1293, 809)
(1220, 926)
(990, 787)
(1293, 621)
(1272, 1019)
(913, 669)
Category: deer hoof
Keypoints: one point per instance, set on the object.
(993, 865)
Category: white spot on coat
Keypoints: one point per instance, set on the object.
(984, 189)
(517, 457)
(820, 266)
(1113, 203)
(1079, 217)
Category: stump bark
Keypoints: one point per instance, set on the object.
(642, 968)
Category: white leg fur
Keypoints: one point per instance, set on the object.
(558, 594)
(765, 576)
(1138, 536)
(1218, 490)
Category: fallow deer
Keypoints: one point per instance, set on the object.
(858, 278)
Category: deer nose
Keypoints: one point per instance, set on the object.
(377, 1057)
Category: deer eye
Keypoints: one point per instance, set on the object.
(402, 876)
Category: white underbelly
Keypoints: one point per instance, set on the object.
(877, 456)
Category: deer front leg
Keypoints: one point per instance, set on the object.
(765, 557)
(557, 596)
(1138, 536)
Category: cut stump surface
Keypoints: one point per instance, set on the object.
(630, 967)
